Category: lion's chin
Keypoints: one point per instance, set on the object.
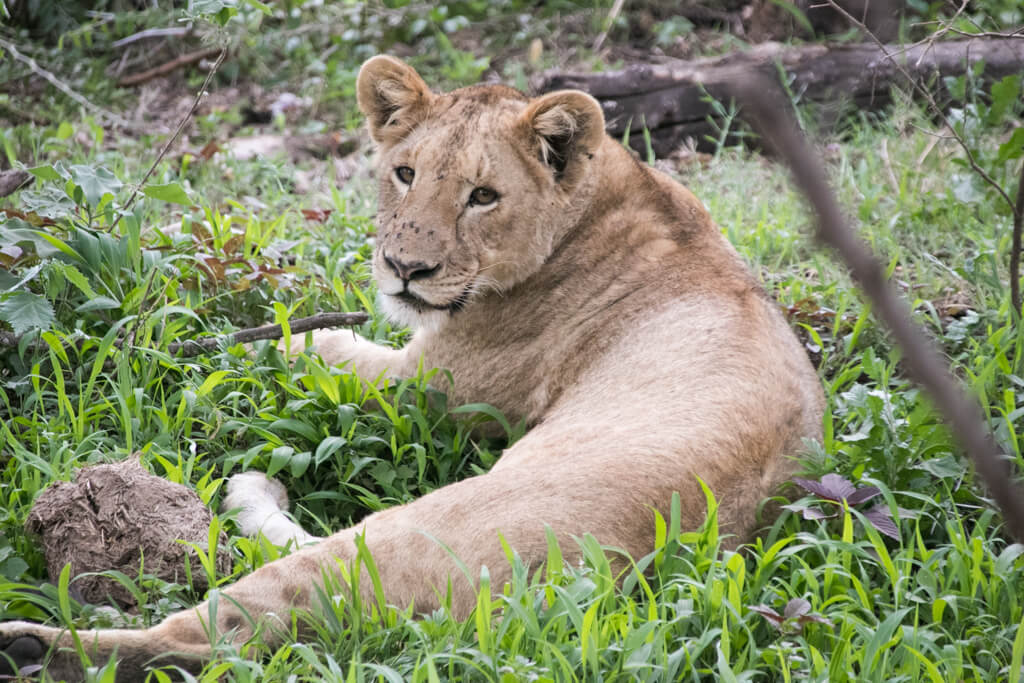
(409, 310)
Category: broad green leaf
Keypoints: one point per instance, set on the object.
(1005, 93)
(8, 282)
(49, 202)
(328, 447)
(169, 192)
(78, 280)
(299, 463)
(47, 173)
(212, 381)
(1012, 148)
(100, 303)
(96, 182)
(261, 6)
(279, 459)
(25, 311)
(295, 427)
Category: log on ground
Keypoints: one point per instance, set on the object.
(672, 100)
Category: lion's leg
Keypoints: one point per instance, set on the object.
(262, 503)
(367, 359)
(412, 547)
(259, 602)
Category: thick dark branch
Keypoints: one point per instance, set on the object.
(194, 347)
(1018, 225)
(924, 363)
(13, 180)
(168, 67)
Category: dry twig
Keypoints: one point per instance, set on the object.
(923, 361)
(71, 92)
(1017, 33)
(613, 14)
(168, 67)
(150, 33)
(194, 347)
(170, 141)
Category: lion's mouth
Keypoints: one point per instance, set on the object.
(420, 305)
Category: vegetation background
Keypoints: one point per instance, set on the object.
(261, 211)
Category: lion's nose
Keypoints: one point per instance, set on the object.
(413, 270)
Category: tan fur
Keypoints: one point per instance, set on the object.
(596, 299)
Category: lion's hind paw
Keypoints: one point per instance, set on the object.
(21, 655)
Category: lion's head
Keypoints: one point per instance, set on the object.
(477, 186)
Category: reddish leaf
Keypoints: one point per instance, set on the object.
(863, 494)
(208, 150)
(215, 267)
(809, 512)
(881, 518)
(317, 215)
(32, 218)
(817, 618)
(773, 617)
(831, 487)
(797, 607)
(10, 253)
(201, 235)
(232, 245)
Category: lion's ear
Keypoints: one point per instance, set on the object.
(567, 123)
(392, 96)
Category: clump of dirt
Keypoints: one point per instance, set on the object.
(118, 516)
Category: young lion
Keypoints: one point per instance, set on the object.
(565, 283)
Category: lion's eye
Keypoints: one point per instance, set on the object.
(482, 196)
(405, 174)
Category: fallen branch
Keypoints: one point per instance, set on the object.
(168, 67)
(672, 100)
(769, 113)
(194, 347)
(12, 180)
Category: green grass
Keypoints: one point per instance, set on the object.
(943, 602)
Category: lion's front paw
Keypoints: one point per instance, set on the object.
(261, 503)
(334, 346)
(256, 496)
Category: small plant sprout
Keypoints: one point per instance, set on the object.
(795, 615)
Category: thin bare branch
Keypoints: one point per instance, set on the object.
(170, 141)
(150, 33)
(1018, 33)
(925, 364)
(613, 14)
(194, 347)
(71, 92)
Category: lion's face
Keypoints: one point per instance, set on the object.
(476, 186)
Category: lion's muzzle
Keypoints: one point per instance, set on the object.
(411, 270)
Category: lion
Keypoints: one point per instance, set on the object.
(567, 284)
